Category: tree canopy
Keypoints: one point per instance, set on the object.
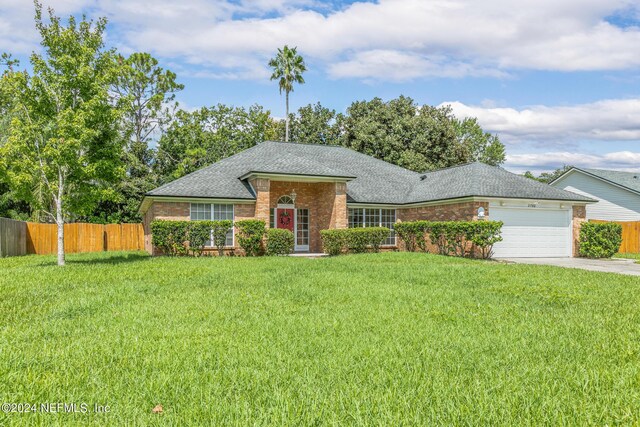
(199, 138)
(547, 177)
(62, 144)
(87, 132)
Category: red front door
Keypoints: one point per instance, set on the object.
(285, 219)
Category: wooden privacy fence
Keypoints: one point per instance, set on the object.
(42, 239)
(13, 237)
(630, 235)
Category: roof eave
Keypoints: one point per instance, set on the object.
(298, 177)
(461, 199)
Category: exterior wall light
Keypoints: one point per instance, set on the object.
(480, 212)
(293, 196)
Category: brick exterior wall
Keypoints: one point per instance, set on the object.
(466, 211)
(326, 201)
(263, 196)
(176, 211)
(327, 205)
(579, 217)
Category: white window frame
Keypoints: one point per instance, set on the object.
(379, 222)
(233, 221)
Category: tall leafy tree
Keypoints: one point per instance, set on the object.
(481, 146)
(199, 138)
(314, 124)
(7, 65)
(401, 132)
(62, 139)
(287, 67)
(145, 94)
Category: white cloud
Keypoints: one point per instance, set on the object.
(388, 39)
(541, 162)
(606, 120)
(391, 65)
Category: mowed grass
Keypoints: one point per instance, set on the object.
(380, 339)
(629, 256)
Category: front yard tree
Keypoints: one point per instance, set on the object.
(63, 132)
(145, 95)
(287, 67)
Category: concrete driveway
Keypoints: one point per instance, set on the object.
(620, 266)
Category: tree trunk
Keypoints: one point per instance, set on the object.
(60, 220)
(286, 120)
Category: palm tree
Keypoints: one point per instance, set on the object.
(288, 67)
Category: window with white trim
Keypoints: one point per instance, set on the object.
(215, 212)
(374, 217)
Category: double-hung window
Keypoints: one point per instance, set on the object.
(374, 217)
(215, 212)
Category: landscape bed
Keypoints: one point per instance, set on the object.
(383, 339)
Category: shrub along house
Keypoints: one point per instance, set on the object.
(308, 188)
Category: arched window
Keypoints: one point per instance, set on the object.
(285, 200)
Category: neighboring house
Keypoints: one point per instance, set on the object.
(308, 188)
(617, 193)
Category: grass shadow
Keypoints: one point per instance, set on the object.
(115, 259)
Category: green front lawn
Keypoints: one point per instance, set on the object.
(629, 256)
(380, 339)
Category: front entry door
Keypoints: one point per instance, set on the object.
(286, 219)
(296, 221)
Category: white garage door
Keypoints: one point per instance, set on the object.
(532, 232)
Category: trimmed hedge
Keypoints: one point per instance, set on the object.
(183, 237)
(453, 238)
(170, 236)
(600, 240)
(334, 240)
(354, 240)
(280, 241)
(219, 230)
(413, 234)
(198, 234)
(250, 236)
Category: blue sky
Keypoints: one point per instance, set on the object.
(557, 80)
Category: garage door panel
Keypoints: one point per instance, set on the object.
(533, 232)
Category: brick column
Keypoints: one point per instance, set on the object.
(340, 206)
(262, 186)
(579, 216)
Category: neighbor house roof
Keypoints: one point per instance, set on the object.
(370, 180)
(628, 180)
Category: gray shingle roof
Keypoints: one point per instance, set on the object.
(481, 180)
(630, 180)
(372, 180)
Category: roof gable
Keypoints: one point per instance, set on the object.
(627, 180)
